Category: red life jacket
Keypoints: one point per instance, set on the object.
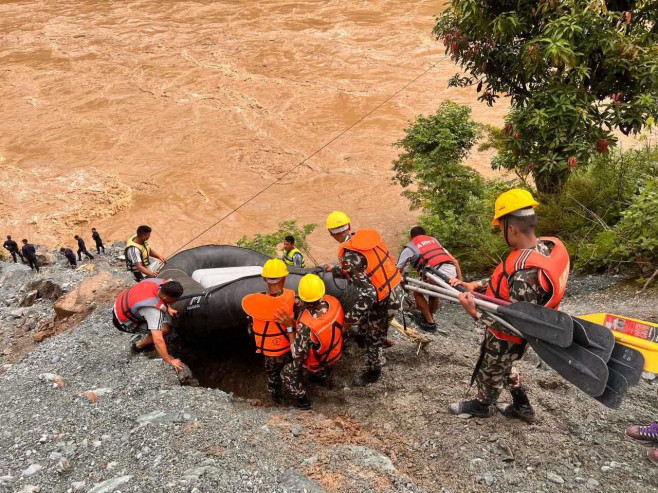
(327, 333)
(271, 337)
(381, 268)
(143, 294)
(553, 275)
(432, 254)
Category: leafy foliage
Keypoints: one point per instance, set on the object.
(267, 243)
(576, 70)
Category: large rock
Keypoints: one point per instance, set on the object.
(101, 287)
(46, 289)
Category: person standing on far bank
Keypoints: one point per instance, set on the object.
(98, 240)
(30, 255)
(82, 248)
(12, 247)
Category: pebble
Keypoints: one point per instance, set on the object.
(32, 470)
(296, 430)
(648, 376)
(554, 478)
(55, 359)
(606, 468)
(63, 465)
(592, 483)
(464, 416)
(78, 486)
(488, 478)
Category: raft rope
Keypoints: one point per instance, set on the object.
(327, 144)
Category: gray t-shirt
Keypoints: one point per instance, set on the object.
(411, 254)
(135, 257)
(154, 319)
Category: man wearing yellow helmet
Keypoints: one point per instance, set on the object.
(535, 271)
(318, 337)
(272, 337)
(365, 261)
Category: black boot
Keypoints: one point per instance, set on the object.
(473, 407)
(303, 403)
(278, 398)
(366, 378)
(520, 407)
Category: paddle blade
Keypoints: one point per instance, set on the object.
(593, 337)
(628, 362)
(539, 322)
(615, 389)
(575, 364)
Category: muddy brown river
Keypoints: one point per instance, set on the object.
(118, 113)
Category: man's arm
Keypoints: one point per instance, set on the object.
(405, 257)
(161, 348)
(154, 254)
(459, 270)
(136, 258)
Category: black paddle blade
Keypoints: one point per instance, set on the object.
(615, 390)
(539, 322)
(577, 365)
(628, 362)
(594, 337)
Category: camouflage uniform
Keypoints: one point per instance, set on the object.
(293, 372)
(372, 316)
(496, 369)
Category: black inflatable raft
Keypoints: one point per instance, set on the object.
(217, 277)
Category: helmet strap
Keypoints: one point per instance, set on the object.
(505, 225)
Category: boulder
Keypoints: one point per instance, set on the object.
(101, 287)
(46, 289)
(29, 298)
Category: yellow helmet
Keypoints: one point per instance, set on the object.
(311, 288)
(337, 219)
(510, 201)
(274, 268)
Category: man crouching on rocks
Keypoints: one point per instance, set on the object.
(145, 309)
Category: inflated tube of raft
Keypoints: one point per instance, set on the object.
(216, 278)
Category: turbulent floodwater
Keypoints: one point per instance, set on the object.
(173, 113)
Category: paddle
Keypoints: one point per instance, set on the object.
(628, 362)
(575, 364)
(615, 389)
(531, 320)
(596, 338)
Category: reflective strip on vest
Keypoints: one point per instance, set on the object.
(380, 268)
(553, 273)
(288, 257)
(431, 252)
(326, 333)
(144, 294)
(270, 336)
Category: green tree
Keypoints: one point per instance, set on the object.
(267, 243)
(575, 71)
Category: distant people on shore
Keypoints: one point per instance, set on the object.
(98, 240)
(70, 256)
(138, 252)
(30, 255)
(82, 248)
(12, 247)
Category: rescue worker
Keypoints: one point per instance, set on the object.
(291, 254)
(535, 271)
(137, 253)
(82, 248)
(424, 252)
(272, 337)
(98, 240)
(30, 255)
(318, 338)
(145, 308)
(12, 247)
(365, 261)
(70, 256)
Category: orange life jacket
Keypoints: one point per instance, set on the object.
(381, 268)
(271, 337)
(432, 254)
(553, 275)
(326, 333)
(138, 296)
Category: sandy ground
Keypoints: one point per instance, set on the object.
(172, 114)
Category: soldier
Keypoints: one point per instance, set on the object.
(95, 235)
(272, 337)
(535, 271)
(82, 248)
(365, 261)
(318, 337)
(30, 255)
(70, 256)
(12, 247)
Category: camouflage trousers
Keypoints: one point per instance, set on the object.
(293, 378)
(497, 369)
(374, 324)
(273, 367)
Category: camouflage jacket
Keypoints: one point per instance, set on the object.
(303, 343)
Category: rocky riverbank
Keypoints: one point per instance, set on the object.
(82, 415)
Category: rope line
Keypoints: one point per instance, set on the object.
(327, 144)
